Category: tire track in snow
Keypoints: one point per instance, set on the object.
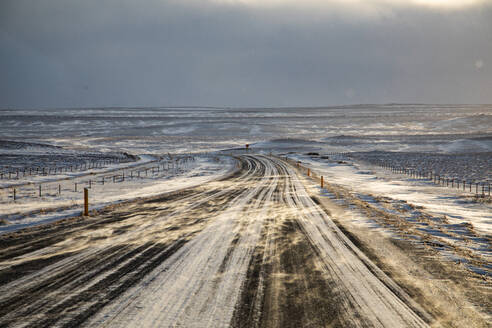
(368, 300)
(57, 288)
(199, 285)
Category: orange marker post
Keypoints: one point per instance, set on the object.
(322, 182)
(308, 172)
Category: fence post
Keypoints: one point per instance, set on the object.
(86, 202)
(322, 181)
(14, 195)
(39, 190)
(59, 189)
(308, 172)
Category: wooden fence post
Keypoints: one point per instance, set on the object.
(322, 181)
(86, 202)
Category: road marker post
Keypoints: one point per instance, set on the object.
(86, 202)
(322, 182)
(308, 172)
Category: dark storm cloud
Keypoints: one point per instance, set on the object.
(127, 53)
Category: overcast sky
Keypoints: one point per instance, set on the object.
(57, 53)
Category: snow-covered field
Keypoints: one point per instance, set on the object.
(62, 194)
(377, 182)
(430, 128)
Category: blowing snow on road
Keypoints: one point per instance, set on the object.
(253, 249)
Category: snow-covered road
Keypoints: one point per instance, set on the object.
(252, 249)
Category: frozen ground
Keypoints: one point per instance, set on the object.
(440, 128)
(184, 234)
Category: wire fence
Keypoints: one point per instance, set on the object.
(42, 190)
(478, 188)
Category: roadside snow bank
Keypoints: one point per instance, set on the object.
(375, 181)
